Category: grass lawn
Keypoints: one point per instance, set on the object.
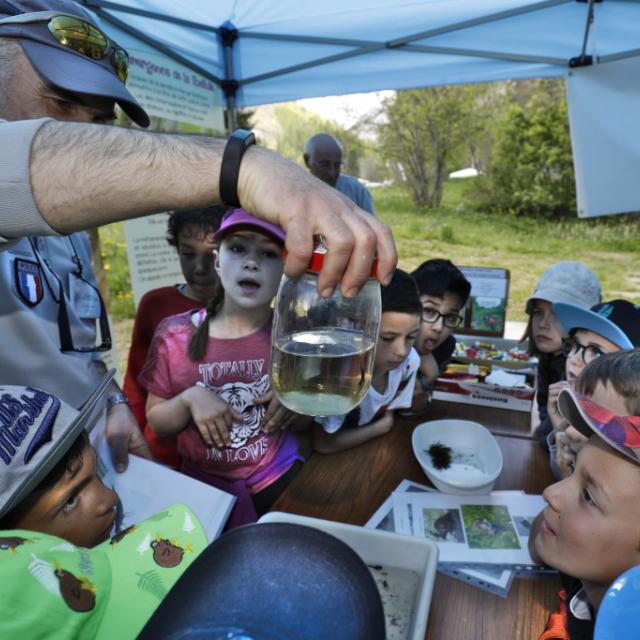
(525, 246)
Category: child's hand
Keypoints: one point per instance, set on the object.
(383, 425)
(212, 416)
(558, 422)
(429, 367)
(568, 445)
(277, 415)
(565, 458)
(575, 439)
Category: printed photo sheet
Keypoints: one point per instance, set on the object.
(474, 530)
(494, 579)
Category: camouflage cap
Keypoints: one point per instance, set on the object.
(621, 432)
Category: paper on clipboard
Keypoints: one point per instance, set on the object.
(495, 579)
(147, 488)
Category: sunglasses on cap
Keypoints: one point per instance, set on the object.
(78, 35)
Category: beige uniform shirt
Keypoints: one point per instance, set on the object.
(19, 215)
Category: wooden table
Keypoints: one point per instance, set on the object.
(349, 486)
(498, 421)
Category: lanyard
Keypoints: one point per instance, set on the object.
(64, 328)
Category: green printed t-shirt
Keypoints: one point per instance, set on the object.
(53, 590)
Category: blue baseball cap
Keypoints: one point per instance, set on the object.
(273, 581)
(618, 321)
(36, 430)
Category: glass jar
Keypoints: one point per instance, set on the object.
(322, 349)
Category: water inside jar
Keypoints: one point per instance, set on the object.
(322, 373)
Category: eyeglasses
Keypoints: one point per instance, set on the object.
(570, 347)
(431, 315)
(79, 35)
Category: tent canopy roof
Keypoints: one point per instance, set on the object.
(284, 50)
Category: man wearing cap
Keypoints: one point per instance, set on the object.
(49, 301)
(323, 157)
(58, 178)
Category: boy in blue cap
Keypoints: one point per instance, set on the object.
(605, 328)
(86, 582)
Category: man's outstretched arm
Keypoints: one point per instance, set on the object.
(86, 175)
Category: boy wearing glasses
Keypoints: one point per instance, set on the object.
(605, 328)
(443, 293)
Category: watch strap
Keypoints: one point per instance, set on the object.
(239, 141)
(116, 398)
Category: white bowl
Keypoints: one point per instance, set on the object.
(409, 563)
(476, 456)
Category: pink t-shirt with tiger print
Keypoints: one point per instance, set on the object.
(238, 371)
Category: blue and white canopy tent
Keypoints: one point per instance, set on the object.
(261, 51)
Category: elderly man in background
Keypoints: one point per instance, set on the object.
(61, 177)
(323, 157)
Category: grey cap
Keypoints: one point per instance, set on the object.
(36, 430)
(61, 66)
(569, 282)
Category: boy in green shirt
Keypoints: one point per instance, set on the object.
(64, 575)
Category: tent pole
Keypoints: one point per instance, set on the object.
(583, 60)
(228, 35)
(587, 29)
(232, 119)
(114, 6)
(158, 46)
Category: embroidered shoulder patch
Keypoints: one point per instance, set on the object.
(28, 280)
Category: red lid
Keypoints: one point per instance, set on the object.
(317, 261)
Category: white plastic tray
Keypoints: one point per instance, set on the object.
(387, 549)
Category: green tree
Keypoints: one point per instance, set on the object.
(531, 170)
(428, 131)
(244, 118)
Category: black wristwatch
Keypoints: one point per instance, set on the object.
(239, 141)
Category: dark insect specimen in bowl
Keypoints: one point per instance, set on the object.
(440, 455)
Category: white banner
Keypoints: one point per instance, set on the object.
(169, 90)
(153, 262)
(604, 103)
